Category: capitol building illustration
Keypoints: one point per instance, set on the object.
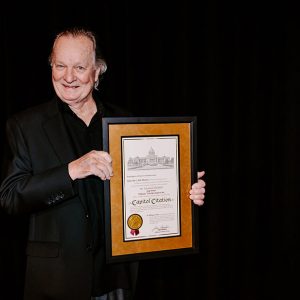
(151, 161)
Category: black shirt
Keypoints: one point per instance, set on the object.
(84, 139)
(90, 189)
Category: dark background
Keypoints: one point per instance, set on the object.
(236, 67)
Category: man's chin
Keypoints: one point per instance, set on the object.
(69, 100)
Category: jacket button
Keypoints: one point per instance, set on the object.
(87, 216)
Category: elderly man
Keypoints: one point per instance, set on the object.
(56, 177)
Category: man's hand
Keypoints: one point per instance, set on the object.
(197, 193)
(96, 163)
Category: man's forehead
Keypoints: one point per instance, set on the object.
(71, 41)
(73, 47)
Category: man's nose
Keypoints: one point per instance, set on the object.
(69, 75)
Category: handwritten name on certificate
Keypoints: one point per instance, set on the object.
(150, 171)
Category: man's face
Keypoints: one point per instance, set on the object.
(73, 69)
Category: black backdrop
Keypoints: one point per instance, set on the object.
(234, 66)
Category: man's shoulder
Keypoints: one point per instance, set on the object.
(114, 110)
(38, 111)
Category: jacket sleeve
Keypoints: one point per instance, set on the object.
(22, 191)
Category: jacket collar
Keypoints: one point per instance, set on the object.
(57, 134)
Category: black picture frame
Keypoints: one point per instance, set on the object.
(116, 131)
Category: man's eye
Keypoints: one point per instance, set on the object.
(80, 68)
(59, 67)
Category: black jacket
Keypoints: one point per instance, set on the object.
(59, 262)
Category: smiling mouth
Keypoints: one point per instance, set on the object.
(70, 87)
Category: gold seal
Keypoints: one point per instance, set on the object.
(134, 221)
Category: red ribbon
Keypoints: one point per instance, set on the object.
(134, 231)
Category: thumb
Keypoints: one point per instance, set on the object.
(200, 174)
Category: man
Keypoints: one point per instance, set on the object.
(56, 177)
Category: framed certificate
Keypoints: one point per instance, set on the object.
(148, 212)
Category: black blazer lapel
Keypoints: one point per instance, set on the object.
(59, 139)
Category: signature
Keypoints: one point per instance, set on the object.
(162, 228)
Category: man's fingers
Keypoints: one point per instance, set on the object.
(105, 169)
(197, 196)
(103, 164)
(198, 185)
(96, 163)
(200, 174)
(106, 156)
(198, 202)
(195, 191)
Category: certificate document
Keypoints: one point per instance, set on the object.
(148, 212)
(151, 195)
